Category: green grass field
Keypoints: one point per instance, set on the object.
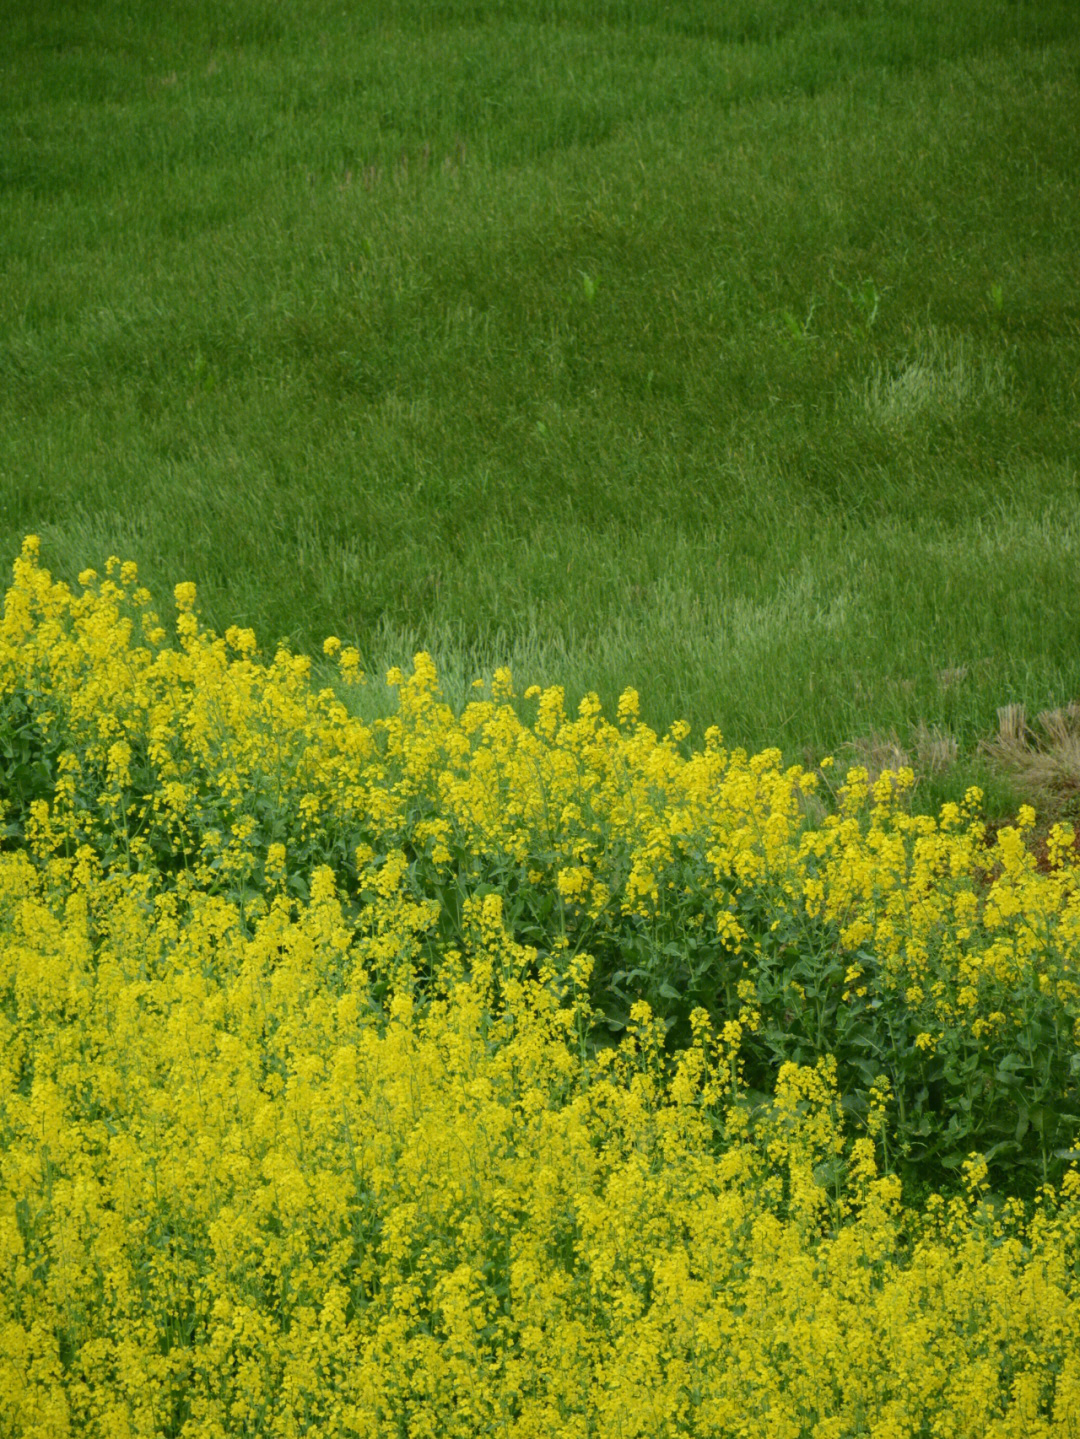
(730, 351)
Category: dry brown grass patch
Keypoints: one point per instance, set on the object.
(1043, 758)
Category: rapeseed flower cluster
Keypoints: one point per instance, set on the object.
(453, 1075)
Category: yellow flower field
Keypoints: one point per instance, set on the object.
(462, 1075)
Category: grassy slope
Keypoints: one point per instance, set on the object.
(735, 357)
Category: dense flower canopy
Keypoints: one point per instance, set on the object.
(480, 1073)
